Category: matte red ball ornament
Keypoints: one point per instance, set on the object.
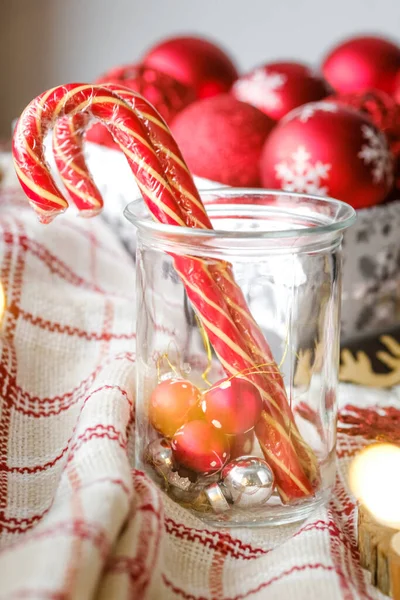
(173, 403)
(325, 149)
(222, 138)
(232, 405)
(195, 62)
(165, 93)
(200, 447)
(363, 63)
(278, 88)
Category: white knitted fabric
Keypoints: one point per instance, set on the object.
(76, 522)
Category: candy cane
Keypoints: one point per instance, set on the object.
(70, 162)
(147, 155)
(186, 193)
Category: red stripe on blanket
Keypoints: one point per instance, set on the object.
(299, 569)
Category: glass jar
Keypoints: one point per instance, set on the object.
(237, 355)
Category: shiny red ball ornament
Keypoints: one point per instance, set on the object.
(277, 88)
(173, 403)
(222, 138)
(195, 62)
(165, 93)
(325, 149)
(381, 108)
(232, 405)
(363, 63)
(199, 446)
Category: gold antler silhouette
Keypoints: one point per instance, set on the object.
(358, 368)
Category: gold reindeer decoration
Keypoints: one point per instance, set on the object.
(358, 368)
(355, 366)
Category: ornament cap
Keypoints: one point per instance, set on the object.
(216, 498)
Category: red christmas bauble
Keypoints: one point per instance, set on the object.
(165, 93)
(396, 93)
(195, 62)
(381, 108)
(278, 88)
(362, 63)
(232, 405)
(325, 149)
(200, 447)
(221, 139)
(173, 403)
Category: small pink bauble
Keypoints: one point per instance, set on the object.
(200, 447)
(232, 405)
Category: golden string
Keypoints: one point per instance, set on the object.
(165, 357)
(253, 370)
(207, 347)
(271, 367)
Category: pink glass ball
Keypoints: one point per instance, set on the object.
(232, 405)
(200, 447)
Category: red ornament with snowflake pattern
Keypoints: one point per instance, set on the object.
(277, 88)
(381, 108)
(362, 63)
(384, 111)
(325, 149)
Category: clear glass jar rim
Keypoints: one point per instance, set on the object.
(345, 215)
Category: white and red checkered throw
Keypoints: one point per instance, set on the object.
(76, 521)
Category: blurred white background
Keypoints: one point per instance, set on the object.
(47, 42)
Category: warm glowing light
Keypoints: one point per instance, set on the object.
(374, 479)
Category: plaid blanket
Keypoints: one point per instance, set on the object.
(76, 520)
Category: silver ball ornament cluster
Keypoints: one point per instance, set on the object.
(245, 482)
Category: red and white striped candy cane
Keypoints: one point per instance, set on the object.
(173, 200)
(68, 136)
(186, 193)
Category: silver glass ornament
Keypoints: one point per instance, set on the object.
(187, 489)
(182, 483)
(247, 481)
(216, 498)
(159, 456)
(182, 488)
